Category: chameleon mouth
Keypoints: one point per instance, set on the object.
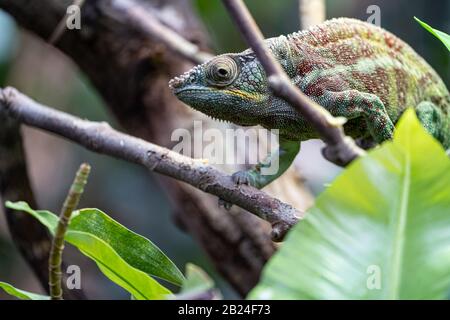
(186, 90)
(195, 90)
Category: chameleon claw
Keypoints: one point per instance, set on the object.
(244, 177)
(240, 177)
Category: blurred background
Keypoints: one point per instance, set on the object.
(127, 192)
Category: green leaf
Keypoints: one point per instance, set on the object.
(197, 286)
(136, 282)
(47, 218)
(445, 38)
(21, 294)
(98, 236)
(136, 250)
(197, 280)
(380, 231)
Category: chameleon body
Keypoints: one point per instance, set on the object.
(352, 68)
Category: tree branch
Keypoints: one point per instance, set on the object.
(340, 149)
(61, 27)
(101, 138)
(311, 12)
(150, 24)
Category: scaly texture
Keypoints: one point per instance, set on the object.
(352, 68)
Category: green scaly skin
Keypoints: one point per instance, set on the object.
(352, 68)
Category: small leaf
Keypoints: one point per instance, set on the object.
(47, 218)
(21, 294)
(196, 279)
(380, 231)
(445, 38)
(197, 286)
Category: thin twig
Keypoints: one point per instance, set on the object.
(70, 204)
(62, 25)
(340, 149)
(150, 24)
(101, 138)
(311, 12)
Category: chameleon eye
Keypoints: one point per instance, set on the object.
(221, 71)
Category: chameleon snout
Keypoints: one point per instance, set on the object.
(176, 83)
(181, 81)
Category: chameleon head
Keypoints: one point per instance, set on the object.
(229, 87)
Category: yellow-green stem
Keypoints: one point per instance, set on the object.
(70, 204)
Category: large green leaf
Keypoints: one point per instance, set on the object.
(445, 38)
(380, 231)
(95, 242)
(136, 250)
(21, 294)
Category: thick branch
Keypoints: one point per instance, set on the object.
(101, 138)
(340, 149)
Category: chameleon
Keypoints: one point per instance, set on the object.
(352, 68)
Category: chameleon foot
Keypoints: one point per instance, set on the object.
(240, 177)
(244, 177)
(366, 143)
